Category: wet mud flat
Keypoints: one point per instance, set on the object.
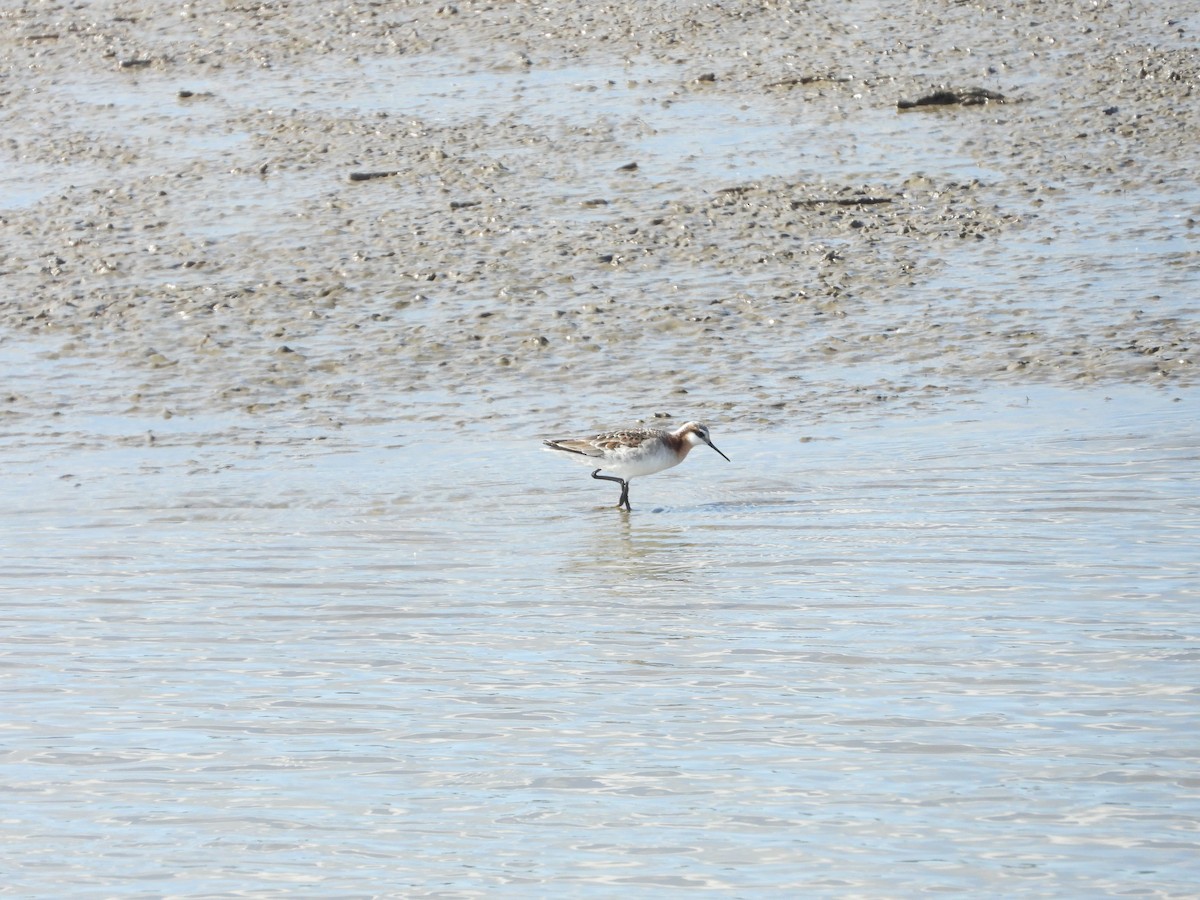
(325, 208)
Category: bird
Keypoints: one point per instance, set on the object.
(634, 452)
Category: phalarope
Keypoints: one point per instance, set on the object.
(638, 451)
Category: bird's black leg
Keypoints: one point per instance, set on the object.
(624, 488)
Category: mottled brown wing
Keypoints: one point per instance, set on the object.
(634, 437)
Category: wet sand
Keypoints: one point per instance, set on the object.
(717, 209)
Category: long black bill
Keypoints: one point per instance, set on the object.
(714, 446)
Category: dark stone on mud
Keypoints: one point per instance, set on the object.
(371, 176)
(954, 97)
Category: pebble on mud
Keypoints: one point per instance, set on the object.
(954, 97)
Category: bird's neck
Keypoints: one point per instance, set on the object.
(680, 443)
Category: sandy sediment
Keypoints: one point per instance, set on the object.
(456, 210)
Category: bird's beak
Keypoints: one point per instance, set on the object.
(714, 446)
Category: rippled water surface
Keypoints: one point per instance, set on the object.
(293, 603)
(952, 653)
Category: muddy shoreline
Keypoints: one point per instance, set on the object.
(613, 206)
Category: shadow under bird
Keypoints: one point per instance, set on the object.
(638, 451)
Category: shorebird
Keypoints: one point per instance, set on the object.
(638, 451)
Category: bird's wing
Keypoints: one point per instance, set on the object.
(613, 440)
(583, 448)
(603, 443)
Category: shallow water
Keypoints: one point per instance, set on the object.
(948, 654)
(295, 604)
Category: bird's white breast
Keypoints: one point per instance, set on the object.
(654, 456)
